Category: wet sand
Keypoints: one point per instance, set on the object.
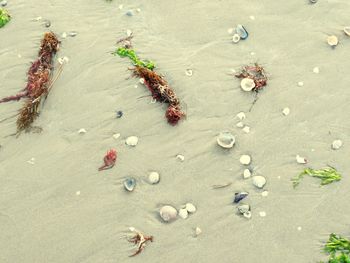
(42, 219)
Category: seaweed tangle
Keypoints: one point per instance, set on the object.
(338, 248)
(327, 175)
(4, 17)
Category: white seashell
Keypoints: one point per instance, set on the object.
(247, 173)
(130, 184)
(132, 229)
(316, 70)
(246, 129)
(259, 181)
(183, 213)
(265, 193)
(332, 41)
(189, 72)
(142, 80)
(247, 214)
(240, 124)
(347, 30)
(153, 177)
(243, 208)
(337, 144)
(300, 83)
(236, 38)
(132, 141)
(198, 231)
(247, 84)
(190, 208)
(168, 213)
(180, 157)
(245, 159)
(82, 131)
(300, 159)
(286, 111)
(226, 140)
(262, 213)
(116, 135)
(241, 115)
(128, 32)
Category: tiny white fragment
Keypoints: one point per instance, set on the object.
(299, 228)
(77, 193)
(262, 213)
(286, 111)
(245, 159)
(337, 144)
(252, 53)
(300, 83)
(138, 10)
(190, 208)
(64, 35)
(120, 7)
(247, 173)
(153, 177)
(198, 231)
(230, 30)
(128, 32)
(132, 141)
(252, 17)
(116, 135)
(142, 80)
(246, 129)
(189, 72)
(82, 131)
(240, 124)
(300, 159)
(236, 38)
(31, 161)
(316, 70)
(183, 213)
(180, 157)
(241, 115)
(265, 193)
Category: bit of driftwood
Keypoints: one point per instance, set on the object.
(219, 186)
(39, 83)
(140, 240)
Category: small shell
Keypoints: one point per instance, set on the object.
(245, 159)
(286, 111)
(347, 30)
(247, 84)
(259, 181)
(242, 32)
(132, 141)
(262, 213)
(82, 131)
(226, 140)
(241, 115)
(240, 124)
(236, 38)
(189, 72)
(240, 196)
(128, 32)
(246, 129)
(247, 173)
(116, 135)
(73, 33)
(198, 231)
(168, 213)
(190, 208)
(183, 213)
(180, 157)
(247, 214)
(300, 159)
(129, 13)
(332, 41)
(243, 208)
(153, 177)
(337, 144)
(129, 184)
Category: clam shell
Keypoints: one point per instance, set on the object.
(347, 30)
(332, 41)
(132, 141)
(247, 84)
(226, 139)
(168, 213)
(129, 184)
(240, 196)
(236, 38)
(242, 32)
(259, 181)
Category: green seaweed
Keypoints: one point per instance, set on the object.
(130, 53)
(342, 258)
(327, 175)
(338, 248)
(4, 17)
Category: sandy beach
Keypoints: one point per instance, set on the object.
(55, 206)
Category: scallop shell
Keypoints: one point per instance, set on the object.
(236, 38)
(226, 139)
(168, 213)
(242, 32)
(347, 30)
(129, 184)
(247, 84)
(332, 41)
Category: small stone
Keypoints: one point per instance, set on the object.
(245, 159)
(247, 173)
(153, 177)
(138, 10)
(198, 231)
(246, 129)
(259, 181)
(337, 144)
(38, 18)
(190, 208)
(316, 70)
(168, 213)
(73, 33)
(240, 124)
(300, 83)
(286, 111)
(189, 72)
(300, 160)
(265, 193)
(64, 35)
(128, 32)
(262, 213)
(252, 17)
(180, 157)
(19, 55)
(82, 131)
(241, 115)
(129, 13)
(3, 3)
(132, 141)
(183, 213)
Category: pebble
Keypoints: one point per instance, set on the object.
(300, 83)
(3, 3)
(183, 213)
(82, 131)
(286, 111)
(240, 124)
(180, 157)
(262, 213)
(19, 55)
(241, 115)
(168, 213)
(72, 33)
(197, 231)
(252, 53)
(337, 144)
(300, 160)
(189, 72)
(129, 13)
(129, 184)
(259, 181)
(236, 38)
(116, 136)
(153, 177)
(226, 139)
(299, 228)
(132, 141)
(245, 159)
(64, 34)
(190, 208)
(247, 84)
(247, 173)
(246, 129)
(265, 193)
(138, 10)
(316, 70)
(119, 114)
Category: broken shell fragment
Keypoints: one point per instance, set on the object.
(168, 213)
(226, 139)
(300, 159)
(337, 144)
(243, 208)
(236, 38)
(247, 173)
(245, 159)
(129, 184)
(183, 213)
(198, 231)
(247, 214)
(286, 111)
(332, 41)
(240, 196)
(347, 30)
(189, 72)
(259, 181)
(242, 32)
(241, 115)
(190, 208)
(247, 84)
(132, 141)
